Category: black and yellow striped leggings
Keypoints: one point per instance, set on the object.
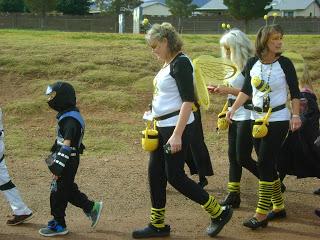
(268, 149)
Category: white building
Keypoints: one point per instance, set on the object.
(159, 7)
(213, 6)
(296, 8)
(155, 9)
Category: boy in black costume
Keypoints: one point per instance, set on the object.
(64, 161)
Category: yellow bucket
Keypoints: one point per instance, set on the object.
(222, 124)
(149, 140)
(259, 129)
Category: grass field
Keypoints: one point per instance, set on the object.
(112, 75)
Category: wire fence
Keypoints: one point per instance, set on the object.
(193, 25)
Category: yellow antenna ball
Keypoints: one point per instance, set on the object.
(274, 14)
(145, 21)
(265, 17)
(223, 25)
(228, 26)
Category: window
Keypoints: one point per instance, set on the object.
(288, 13)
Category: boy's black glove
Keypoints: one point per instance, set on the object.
(57, 161)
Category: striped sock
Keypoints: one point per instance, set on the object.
(265, 193)
(277, 198)
(157, 217)
(212, 207)
(234, 187)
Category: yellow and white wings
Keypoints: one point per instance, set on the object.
(211, 70)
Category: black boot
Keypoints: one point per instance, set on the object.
(253, 223)
(203, 182)
(317, 192)
(232, 199)
(276, 215)
(218, 223)
(151, 231)
(283, 187)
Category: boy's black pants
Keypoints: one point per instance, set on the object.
(67, 191)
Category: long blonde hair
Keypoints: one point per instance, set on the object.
(240, 46)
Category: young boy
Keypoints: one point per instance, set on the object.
(21, 212)
(64, 161)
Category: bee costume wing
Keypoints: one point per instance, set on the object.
(210, 70)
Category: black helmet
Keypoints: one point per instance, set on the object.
(61, 96)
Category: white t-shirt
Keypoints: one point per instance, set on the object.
(241, 114)
(167, 97)
(280, 75)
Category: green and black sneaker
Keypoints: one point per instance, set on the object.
(95, 213)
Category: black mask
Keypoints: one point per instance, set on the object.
(61, 96)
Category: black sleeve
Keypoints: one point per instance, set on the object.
(182, 72)
(291, 77)
(70, 129)
(312, 113)
(247, 88)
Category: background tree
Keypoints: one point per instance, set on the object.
(102, 4)
(181, 8)
(120, 6)
(41, 7)
(12, 6)
(247, 9)
(73, 7)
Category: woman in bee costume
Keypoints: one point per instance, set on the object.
(64, 161)
(172, 101)
(267, 76)
(236, 46)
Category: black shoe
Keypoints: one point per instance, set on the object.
(151, 231)
(317, 212)
(232, 199)
(317, 192)
(203, 182)
(218, 223)
(276, 215)
(283, 188)
(253, 223)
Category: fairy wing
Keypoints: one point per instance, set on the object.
(214, 70)
(210, 70)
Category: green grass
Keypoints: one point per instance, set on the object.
(112, 74)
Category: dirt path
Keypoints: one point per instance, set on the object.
(120, 181)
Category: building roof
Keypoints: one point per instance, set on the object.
(147, 4)
(199, 3)
(291, 4)
(213, 5)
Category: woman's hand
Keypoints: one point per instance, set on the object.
(295, 123)
(229, 115)
(211, 88)
(175, 142)
(221, 89)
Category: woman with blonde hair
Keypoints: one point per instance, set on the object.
(173, 97)
(237, 47)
